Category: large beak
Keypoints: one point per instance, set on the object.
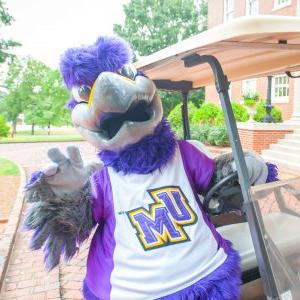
(115, 94)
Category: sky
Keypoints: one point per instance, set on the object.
(46, 28)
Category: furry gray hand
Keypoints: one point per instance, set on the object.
(257, 168)
(67, 174)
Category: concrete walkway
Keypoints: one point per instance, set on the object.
(25, 278)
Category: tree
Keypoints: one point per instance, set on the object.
(4, 129)
(151, 25)
(37, 91)
(11, 103)
(55, 96)
(48, 96)
(5, 45)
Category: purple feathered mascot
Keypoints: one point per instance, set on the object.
(153, 240)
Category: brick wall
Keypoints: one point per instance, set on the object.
(215, 17)
(259, 140)
(216, 10)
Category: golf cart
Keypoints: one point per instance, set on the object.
(268, 238)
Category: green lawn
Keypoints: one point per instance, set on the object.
(8, 168)
(56, 135)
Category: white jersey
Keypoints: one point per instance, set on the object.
(161, 236)
(162, 241)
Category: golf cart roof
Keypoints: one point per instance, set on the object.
(246, 47)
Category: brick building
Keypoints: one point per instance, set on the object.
(285, 91)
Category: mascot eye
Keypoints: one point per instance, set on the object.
(84, 92)
(128, 71)
(81, 93)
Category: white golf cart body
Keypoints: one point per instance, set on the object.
(247, 48)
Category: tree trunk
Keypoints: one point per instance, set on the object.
(49, 128)
(14, 128)
(32, 129)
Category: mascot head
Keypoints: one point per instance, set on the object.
(112, 104)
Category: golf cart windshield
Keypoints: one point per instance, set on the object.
(244, 48)
(277, 206)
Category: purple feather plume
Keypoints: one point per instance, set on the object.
(71, 103)
(82, 65)
(35, 177)
(272, 173)
(152, 152)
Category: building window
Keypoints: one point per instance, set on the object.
(281, 3)
(280, 89)
(251, 7)
(228, 10)
(249, 86)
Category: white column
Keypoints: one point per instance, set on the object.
(296, 111)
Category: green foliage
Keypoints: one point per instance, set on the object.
(4, 129)
(171, 99)
(200, 132)
(250, 99)
(175, 117)
(12, 103)
(47, 104)
(218, 136)
(37, 91)
(210, 135)
(240, 112)
(151, 25)
(261, 112)
(207, 113)
(210, 113)
(5, 45)
(8, 168)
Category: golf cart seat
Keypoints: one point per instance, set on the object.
(281, 227)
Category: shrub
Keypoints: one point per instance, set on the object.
(218, 136)
(240, 112)
(175, 118)
(208, 113)
(261, 112)
(4, 129)
(250, 99)
(200, 132)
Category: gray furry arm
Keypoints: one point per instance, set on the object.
(225, 165)
(59, 225)
(61, 212)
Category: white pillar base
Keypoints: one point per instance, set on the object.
(294, 120)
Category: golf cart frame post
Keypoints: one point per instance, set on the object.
(222, 86)
(247, 47)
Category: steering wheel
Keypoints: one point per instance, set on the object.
(224, 196)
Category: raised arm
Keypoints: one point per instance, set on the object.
(61, 212)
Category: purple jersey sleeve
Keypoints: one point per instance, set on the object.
(100, 188)
(198, 166)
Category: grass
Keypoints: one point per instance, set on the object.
(8, 168)
(57, 135)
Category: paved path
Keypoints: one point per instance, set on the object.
(26, 278)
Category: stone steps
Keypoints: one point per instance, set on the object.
(286, 153)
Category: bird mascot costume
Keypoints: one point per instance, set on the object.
(152, 238)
